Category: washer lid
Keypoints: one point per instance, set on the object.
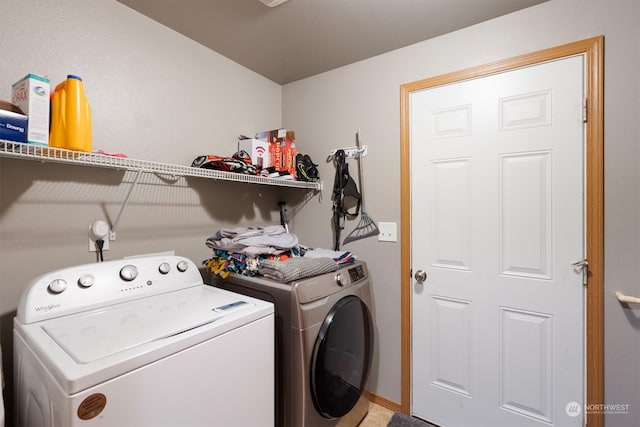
(97, 334)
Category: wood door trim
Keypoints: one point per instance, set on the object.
(593, 51)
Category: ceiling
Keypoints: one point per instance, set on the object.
(301, 38)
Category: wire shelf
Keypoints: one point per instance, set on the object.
(59, 155)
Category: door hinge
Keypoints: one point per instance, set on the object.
(585, 110)
(582, 266)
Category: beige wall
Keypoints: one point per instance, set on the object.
(327, 109)
(155, 95)
(140, 77)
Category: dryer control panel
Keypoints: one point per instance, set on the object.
(84, 287)
(317, 287)
(352, 275)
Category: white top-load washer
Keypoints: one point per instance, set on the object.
(141, 342)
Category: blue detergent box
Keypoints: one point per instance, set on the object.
(13, 125)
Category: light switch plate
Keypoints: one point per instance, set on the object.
(388, 232)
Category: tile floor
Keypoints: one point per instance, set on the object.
(378, 416)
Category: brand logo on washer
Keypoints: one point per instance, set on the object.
(47, 308)
(91, 406)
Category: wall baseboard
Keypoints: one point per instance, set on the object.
(384, 402)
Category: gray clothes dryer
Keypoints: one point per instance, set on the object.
(324, 344)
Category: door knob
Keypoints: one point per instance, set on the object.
(420, 276)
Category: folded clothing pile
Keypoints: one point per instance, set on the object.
(253, 241)
(269, 251)
(239, 250)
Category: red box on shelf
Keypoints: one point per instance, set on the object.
(282, 149)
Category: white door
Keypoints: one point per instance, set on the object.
(497, 221)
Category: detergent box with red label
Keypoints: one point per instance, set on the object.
(31, 94)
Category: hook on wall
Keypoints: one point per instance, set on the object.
(349, 152)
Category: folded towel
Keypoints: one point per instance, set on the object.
(296, 268)
(341, 257)
(324, 253)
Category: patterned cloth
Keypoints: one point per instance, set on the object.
(224, 263)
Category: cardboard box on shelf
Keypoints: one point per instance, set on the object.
(288, 156)
(272, 135)
(31, 94)
(282, 149)
(283, 156)
(274, 139)
(13, 125)
(257, 149)
(275, 155)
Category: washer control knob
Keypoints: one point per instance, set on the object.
(57, 286)
(128, 272)
(183, 266)
(339, 280)
(164, 268)
(86, 280)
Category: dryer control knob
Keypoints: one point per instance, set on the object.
(182, 266)
(340, 281)
(128, 272)
(57, 286)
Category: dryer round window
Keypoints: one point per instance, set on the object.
(341, 357)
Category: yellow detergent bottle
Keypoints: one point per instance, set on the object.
(56, 127)
(70, 116)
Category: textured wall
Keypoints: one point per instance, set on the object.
(155, 95)
(141, 78)
(328, 108)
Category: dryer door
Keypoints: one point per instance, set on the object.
(342, 357)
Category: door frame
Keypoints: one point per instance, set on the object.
(593, 51)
